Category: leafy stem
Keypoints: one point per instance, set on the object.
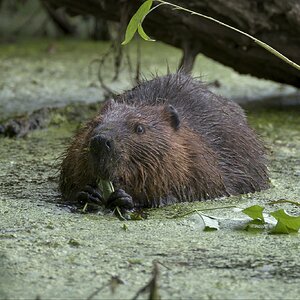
(257, 41)
(136, 21)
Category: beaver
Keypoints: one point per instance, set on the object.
(167, 140)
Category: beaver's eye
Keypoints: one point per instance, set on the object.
(139, 129)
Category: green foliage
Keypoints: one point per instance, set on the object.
(135, 24)
(143, 34)
(107, 188)
(254, 212)
(285, 223)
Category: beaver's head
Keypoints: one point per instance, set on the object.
(131, 145)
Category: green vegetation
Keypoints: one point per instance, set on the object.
(285, 223)
(135, 24)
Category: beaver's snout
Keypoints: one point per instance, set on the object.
(101, 144)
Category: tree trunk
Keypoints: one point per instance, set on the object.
(58, 18)
(275, 22)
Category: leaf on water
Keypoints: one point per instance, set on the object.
(286, 223)
(281, 228)
(210, 224)
(143, 34)
(254, 212)
(136, 21)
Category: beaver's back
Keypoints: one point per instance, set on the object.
(220, 122)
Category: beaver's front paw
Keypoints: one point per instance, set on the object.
(121, 199)
(89, 195)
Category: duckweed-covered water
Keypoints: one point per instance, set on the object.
(46, 251)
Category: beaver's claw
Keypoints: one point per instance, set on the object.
(89, 195)
(121, 199)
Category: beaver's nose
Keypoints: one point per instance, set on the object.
(101, 143)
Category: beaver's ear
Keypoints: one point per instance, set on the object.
(173, 116)
(108, 104)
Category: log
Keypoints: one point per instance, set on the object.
(275, 22)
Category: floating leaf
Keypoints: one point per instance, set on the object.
(135, 22)
(208, 223)
(254, 212)
(143, 34)
(281, 228)
(286, 223)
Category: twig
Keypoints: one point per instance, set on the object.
(101, 62)
(151, 286)
(199, 210)
(138, 62)
(92, 295)
(85, 207)
(119, 214)
(284, 201)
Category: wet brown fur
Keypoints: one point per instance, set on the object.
(212, 153)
